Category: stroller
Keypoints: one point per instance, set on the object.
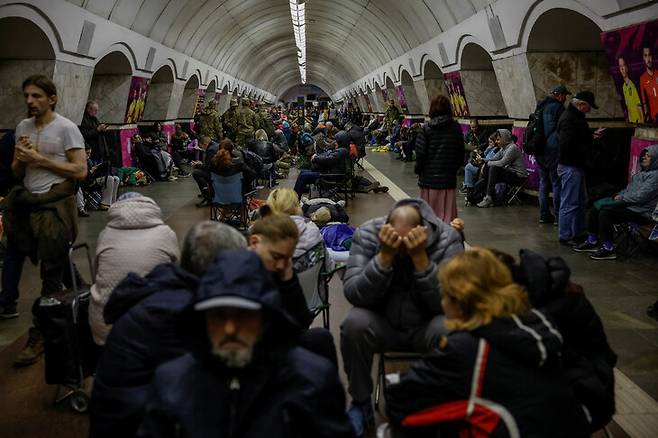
(70, 352)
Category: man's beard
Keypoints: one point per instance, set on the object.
(234, 358)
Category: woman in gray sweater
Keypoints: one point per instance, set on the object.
(507, 166)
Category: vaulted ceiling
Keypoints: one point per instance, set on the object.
(253, 39)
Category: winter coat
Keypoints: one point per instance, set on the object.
(641, 194)
(574, 137)
(510, 156)
(502, 379)
(588, 360)
(263, 149)
(309, 235)
(285, 391)
(407, 299)
(149, 328)
(359, 139)
(439, 153)
(135, 239)
(332, 161)
(552, 110)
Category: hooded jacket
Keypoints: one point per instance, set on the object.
(510, 155)
(574, 138)
(285, 391)
(309, 235)
(408, 299)
(439, 153)
(641, 194)
(149, 327)
(135, 239)
(588, 360)
(552, 110)
(501, 380)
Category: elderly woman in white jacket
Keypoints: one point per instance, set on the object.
(135, 239)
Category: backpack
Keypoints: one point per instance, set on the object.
(253, 160)
(534, 142)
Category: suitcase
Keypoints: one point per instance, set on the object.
(70, 352)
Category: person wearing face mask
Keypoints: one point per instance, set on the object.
(250, 379)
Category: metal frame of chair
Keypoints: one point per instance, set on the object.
(514, 191)
(337, 186)
(390, 356)
(311, 270)
(629, 239)
(230, 205)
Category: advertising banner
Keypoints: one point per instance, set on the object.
(530, 161)
(456, 94)
(125, 136)
(632, 53)
(136, 99)
(402, 99)
(637, 146)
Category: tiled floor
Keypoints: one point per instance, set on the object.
(619, 290)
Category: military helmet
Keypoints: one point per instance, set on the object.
(234, 102)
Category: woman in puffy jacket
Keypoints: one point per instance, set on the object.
(135, 239)
(498, 371)
(439, 155)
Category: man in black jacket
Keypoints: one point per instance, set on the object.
(250, 380)
(575, 140)
(92, 131)
(333, 161)
(202, 170)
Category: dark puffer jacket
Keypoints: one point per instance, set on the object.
(285, 391)
(574, 138)
(332, 161)
(439, 153)
(407, 298)
(500, 380)
(588, 360)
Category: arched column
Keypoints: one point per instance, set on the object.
(413, 101)
(160, 94)
(481, 88)
(110, 86)
(190, 96)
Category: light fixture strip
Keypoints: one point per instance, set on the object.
(298, 14)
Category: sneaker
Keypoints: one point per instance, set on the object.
(8, 311)
(586, 246)
(172, 178)
(463, 190)
(183, 174)
(32, 351)
(486, 202)
(604, 254)
(547, 220)
(204, 203)
(361, 416)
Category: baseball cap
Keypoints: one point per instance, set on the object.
(227, 301)
(561, 89)
(587, 96)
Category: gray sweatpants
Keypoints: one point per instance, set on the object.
(364, 333)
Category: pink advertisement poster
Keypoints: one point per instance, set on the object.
(136, 99)
(126, 146)
(637, 146)
(456, 94)
(402, 99)
(632, 53)
(530, 162)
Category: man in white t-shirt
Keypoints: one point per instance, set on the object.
(42, 215)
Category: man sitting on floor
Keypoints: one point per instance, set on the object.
(633, 204)
(506, 167)
(391, 281)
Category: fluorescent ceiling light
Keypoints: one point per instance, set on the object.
(298, 14)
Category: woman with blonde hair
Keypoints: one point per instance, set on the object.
(286, 201)
(497, 373)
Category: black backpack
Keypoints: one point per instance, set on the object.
(534, 142)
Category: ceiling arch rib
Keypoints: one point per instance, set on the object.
(253, 41)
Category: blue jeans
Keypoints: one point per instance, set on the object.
(573, 202)
(548, 182)
(470, 175)
(305, 178)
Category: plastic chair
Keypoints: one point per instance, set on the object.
(229, 204)
(314, 276)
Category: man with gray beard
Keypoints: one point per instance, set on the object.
(250, 380)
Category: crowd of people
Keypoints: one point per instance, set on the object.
(215, 338)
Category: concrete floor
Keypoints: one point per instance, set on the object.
(620, 291)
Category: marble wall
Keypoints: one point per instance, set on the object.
(157, 103)
(177, 89)
(578, 71)
(188, 103)
(73, 82)
(377, 102)
(423, 96)
(111, 93)
(515, 83)
(435, 87)
(12, 75)
(413, 99)
(483, 93)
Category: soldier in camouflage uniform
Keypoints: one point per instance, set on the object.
(209, 123)
(265, 119)
(247, 123)
(392, 115)
(229, 120)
